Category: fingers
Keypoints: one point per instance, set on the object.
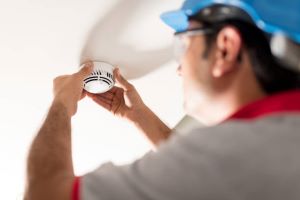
(107, 98)
(108, 95)
(114, 89)
(122, 81)
(104, 99)
(102, 102)
(86, 70)
(83, 94)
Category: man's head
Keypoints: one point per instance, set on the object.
(226, 63)
(216, 69)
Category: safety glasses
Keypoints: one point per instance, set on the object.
(180, 45)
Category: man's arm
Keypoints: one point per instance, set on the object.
(50, 171)
(125, 102)
(151, 126)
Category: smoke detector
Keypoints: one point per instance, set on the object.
(101, 79)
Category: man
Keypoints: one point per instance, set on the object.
(247, 97)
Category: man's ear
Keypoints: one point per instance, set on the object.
(228, 48)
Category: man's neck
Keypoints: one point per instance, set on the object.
(222, 107)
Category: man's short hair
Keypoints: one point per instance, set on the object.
(272, 76)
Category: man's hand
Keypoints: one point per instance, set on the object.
(68, 89)
(50, 171)
(123, 101)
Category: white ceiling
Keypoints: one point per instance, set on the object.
(41, 39)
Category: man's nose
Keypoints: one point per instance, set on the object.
(179, 70)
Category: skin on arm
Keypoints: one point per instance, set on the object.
(125, 102)
(50, 170)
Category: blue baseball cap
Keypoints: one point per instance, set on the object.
(271, 16)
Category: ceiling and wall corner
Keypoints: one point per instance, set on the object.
(41, 39)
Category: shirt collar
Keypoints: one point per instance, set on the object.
(278, 103)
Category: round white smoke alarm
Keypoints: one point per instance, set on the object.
(101, 79)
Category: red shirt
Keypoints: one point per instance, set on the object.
(285, 102)
(278, 103)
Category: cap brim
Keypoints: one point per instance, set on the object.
(177, 20)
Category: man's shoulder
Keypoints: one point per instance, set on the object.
(239, 135)
(263, 126)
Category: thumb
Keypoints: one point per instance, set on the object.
(124, 84)
(86, 70)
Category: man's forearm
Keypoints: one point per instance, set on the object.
(50, 155)
(152, 127)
